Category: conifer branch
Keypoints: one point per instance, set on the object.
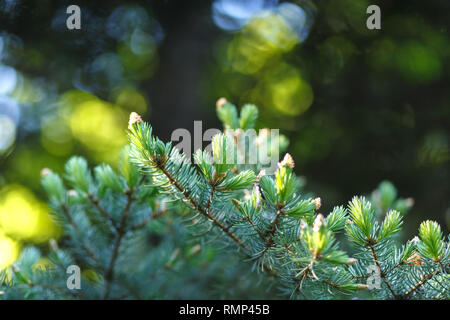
(102, 211)
(258, 232)
(121, 231)
(272, 230)
(420, 283)
(66, 213)
(211, 196)
(200, 209)
(65, 210)
(381, 272)
(17, 272)
(277, 228)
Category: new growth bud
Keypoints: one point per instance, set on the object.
(351, 261)
(415, 240)
(221, 102)
(237, 132)
(134, 118)
(362, 286)
(409, 202)
(288, 161)
(53, 244)
(195, 250)
(319, 222)
(318, 202)
(261, 174)
(45, 172)
(172, 258)
(303, 225)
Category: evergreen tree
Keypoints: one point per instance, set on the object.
(129, 231)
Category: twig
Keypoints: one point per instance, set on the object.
(219, 224)
(420, 283)
(382, 274)
(200, 209)
(31, 284)
(120, 233)
(256, 229)
(271, 232)
(102, 211)
(91, 253)
(332, 284)
(155, 215)
(211, 195)
(360, 276)
(273, 228)
(65, 210)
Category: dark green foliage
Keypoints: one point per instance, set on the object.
(126, 228)
(119, 231)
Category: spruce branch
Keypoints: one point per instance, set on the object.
(258, 232)
(420, 283)
(200, 209)
(121, 231)
(17, 272)
(102, 211)
(270, 233)
(381, 271)
(159, 160)
(264, 217)
(65, 210)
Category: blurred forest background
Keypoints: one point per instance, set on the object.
(359, 106)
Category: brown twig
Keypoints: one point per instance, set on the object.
(202, 211)
(256, 229)
(332, 284)
(271, 232)
(219, 224)
(273, 228)
(420, 283)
